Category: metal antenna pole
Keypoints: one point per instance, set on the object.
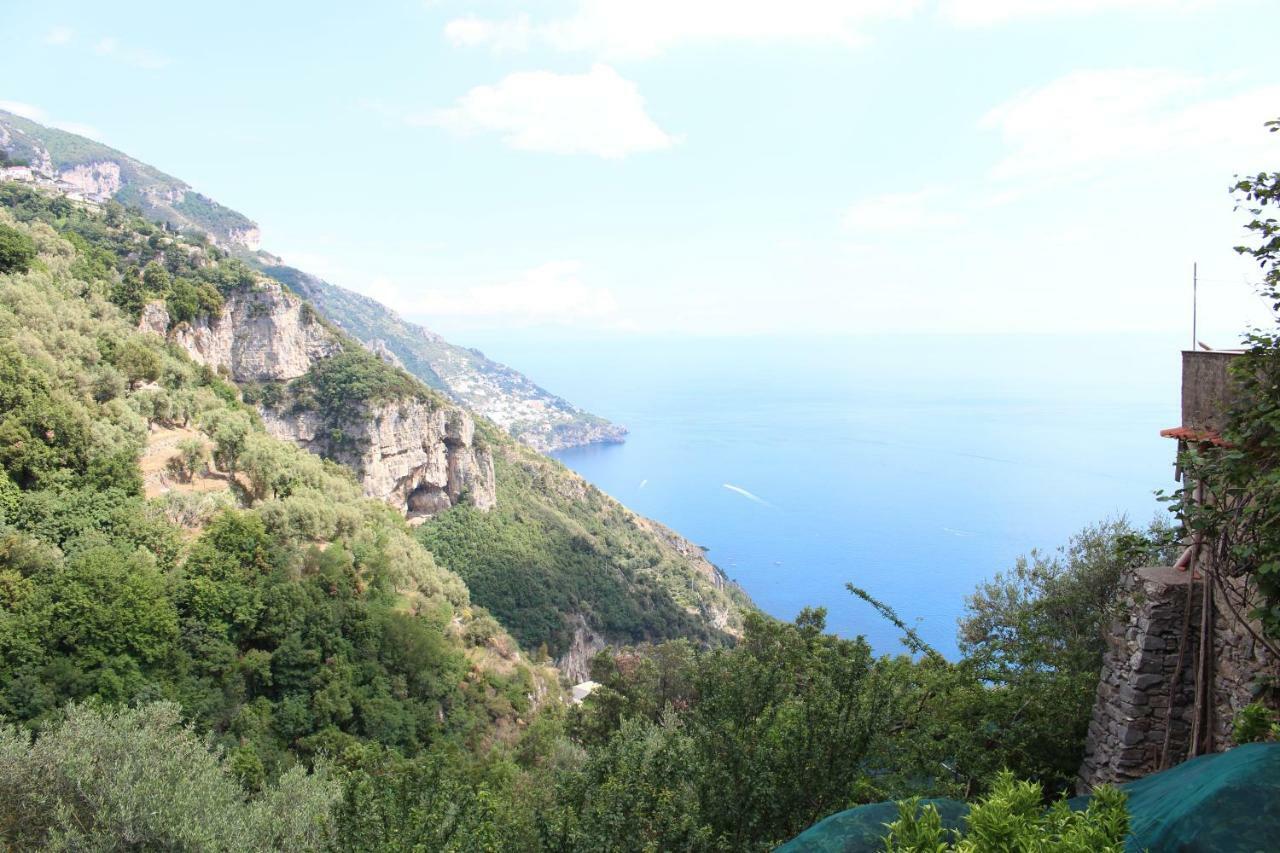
(1195, 287)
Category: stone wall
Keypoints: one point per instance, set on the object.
(1206, 388)
(1142, 674)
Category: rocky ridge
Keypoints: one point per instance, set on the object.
(420, 456)
(528, 412)
(90, 171)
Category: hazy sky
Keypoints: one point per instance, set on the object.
(710, 166)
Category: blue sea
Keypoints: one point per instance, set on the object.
(914, 467)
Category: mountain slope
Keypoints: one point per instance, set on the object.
(540, 419)
(568, 567)
(80, 166)
(287, 613)
(84, 169)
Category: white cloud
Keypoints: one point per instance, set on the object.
(978, 13)
(551, 293)
(631, 29)
(111, 48)
(34, 113)
(596, 113)
(1088, 120)
(59, 36)
(511, 34)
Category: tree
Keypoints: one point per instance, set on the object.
(17, 250)
(138, 778)
(1238, 512)
(192, 456)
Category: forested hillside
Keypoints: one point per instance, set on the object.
(244, 579)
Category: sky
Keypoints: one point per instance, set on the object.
(702, 167)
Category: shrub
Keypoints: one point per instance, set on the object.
(1255, 722)
(139, 362)
(1012, 817)
(193, 456)
(139, 779)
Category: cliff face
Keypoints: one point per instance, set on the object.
(527, 411)
(417, 455)
(262, 335)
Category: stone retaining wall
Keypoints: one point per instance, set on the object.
(1141, 675)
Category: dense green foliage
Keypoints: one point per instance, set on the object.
(342, 387)
(305, 620)
(555, 546)
(17, 250)
(139, 779)
(1012, 818)
(130, 260)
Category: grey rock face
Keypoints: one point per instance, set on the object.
(414, 455)
(263, 334)
(417, 455)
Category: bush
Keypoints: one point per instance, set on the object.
(193, 456)
(1013, 818)
(17, 250)
(1255, 722)
(139, 362)
(139, 779)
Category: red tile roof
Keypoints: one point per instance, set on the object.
(1190, 434)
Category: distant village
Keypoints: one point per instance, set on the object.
(68, 184)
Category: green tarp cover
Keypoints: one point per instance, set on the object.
(1224, 803)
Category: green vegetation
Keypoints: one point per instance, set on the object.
(304, 621)
(1012, 817)
(342, 386)
(555, 546)
(161, 197)
(126, 258)
(17, 250)
(1255, 722)
(140, 778)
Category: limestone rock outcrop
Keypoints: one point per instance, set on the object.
(419, 455)
(98, 181)
(415, 455)
(264, 334)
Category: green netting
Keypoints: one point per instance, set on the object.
(1228, 803)
(862, 830)
(1224, 803)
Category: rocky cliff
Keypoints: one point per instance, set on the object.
(419, 455)
(414, 455)
(525, 410)
(262, 335)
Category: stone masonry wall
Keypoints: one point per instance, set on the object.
(1141, 676)
(1127, 731)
